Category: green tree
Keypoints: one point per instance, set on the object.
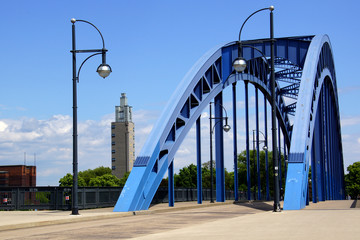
(89, 174)
(100, 176)
(206, 175)
(67, 181)
(242, 171)
(206, 165)
(187, 177)
(124, 179)
(106, 180)
(229, 180)
(352, 180)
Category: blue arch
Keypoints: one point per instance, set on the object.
(203, 83)
(316, 137)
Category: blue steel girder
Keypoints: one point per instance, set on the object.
(206, 80)
(317, 89)
(290, 109)
(292, 73)
(290, 91)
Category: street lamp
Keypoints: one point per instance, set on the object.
(103, 70)
(236, 65)
(226, 128)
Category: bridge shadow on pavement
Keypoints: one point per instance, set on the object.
(259, 205)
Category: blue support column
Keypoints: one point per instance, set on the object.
(266, 151)
(318, 146)
(285, 158)
(324, 148)
(248, 174)
(328, 114)
(257, 144)
(236, 181)
(307, 196)
(332, 147)
(337, 159)
(198, 155)
(333, 150)
(313, 173)
(326, 135)
(171, 184)
(280, 171)
(219, 150)
(328, 157)
(316, 157)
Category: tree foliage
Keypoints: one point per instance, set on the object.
(106, 180)
(242, 171)
(67, 181)
(187, 177)
(98, 177)
(124, 179)
(352, 180)
(90, 174)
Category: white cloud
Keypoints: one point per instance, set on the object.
(3, 126)
(347, 90)
(51, 141)
(350, 121)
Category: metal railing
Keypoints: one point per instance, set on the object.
(59, 198)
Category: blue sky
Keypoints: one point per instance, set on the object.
(152, 44)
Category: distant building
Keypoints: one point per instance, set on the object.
(4, 178)
(122, 139)
(18, 176)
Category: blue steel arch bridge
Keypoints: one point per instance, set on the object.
(304, 73)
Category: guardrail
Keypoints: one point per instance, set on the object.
(59, 198)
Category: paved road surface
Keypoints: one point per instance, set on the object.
(328, 220)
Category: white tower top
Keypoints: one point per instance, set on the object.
(123, 113)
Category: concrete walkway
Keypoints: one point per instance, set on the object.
(325, 220)
(10, 220)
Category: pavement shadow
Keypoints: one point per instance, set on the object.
(354, 204)
(264, 206)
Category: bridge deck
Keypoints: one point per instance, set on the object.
(325, 220)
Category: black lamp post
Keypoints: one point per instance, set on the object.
(239, 65)
(103, 70)
(226, 128)
(255, 140)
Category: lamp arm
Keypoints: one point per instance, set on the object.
(212, 130)
(249, 18)
(221, 106)
(78, 73)
(103, 42)
(262, 134)
(249, 46)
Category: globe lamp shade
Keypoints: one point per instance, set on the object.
(239, 64)
(104, 70)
